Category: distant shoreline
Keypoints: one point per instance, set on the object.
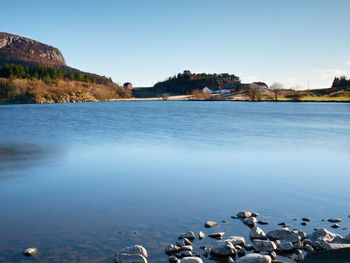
(176, 98)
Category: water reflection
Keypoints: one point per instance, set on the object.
(15, 156)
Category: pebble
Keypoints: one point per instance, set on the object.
(335, 226)
(303, 223)
(305, 219)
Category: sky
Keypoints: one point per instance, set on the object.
(294, 42)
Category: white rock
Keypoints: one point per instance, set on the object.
(257, 233)
(128, 258)
(134, 250)
(191, 260)
(254, 258)
(210, 223)
(32, 251)
(133, 254)
(201, 235)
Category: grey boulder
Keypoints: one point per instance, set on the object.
(264, 245)
(283, 234)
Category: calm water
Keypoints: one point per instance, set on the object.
(80, 181)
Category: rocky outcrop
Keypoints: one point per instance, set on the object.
(20, 50)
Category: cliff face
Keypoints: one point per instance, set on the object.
(20, 50)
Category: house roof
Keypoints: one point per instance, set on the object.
(260, 83)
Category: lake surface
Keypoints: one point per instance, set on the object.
(81, 181)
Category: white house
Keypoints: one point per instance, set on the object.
(262, 85)
(207, 90)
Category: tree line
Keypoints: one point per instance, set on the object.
(186, 82)
(48, 74)
(341, 82)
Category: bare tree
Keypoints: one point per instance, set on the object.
(253, 92)
(276, 88)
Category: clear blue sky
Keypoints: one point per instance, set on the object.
(290, 41)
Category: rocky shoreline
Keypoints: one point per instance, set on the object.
(282, 244)
(264, 247)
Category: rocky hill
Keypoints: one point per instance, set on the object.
(33, 72)
(20, 50)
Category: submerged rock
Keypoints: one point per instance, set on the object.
(334, 220)
(254, 258)
(29, 252)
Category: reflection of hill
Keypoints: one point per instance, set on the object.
(20, 156)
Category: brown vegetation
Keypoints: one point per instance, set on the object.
(38, 91)
(199, 95)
